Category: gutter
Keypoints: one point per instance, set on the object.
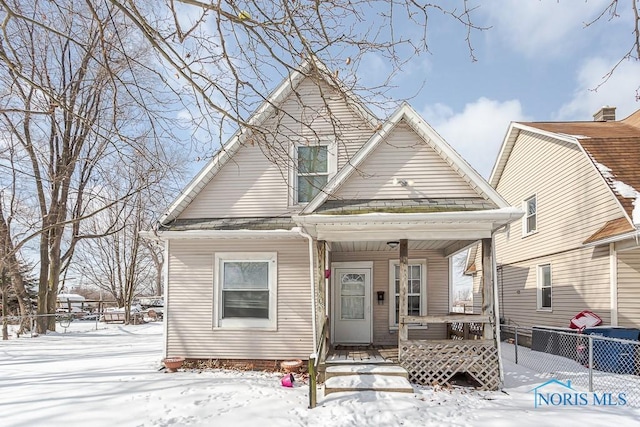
(293, 233)
(313, 287)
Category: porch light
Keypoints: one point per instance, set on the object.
(393, 244)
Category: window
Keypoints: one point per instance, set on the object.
(417, 289)
(313, 171)
(315, 164)
(246, 290)
(544, 287)
(531, 214)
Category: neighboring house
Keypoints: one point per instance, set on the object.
(278, 247)
(577, 247)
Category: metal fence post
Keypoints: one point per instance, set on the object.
(590, 363)
(516, 344)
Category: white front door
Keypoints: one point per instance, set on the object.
(352, 306)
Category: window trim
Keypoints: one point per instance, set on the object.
(393, 326)
(269, 324)
(526, 216)
(332, 164)
(539, 287)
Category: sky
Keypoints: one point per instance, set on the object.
(111, 376)
(538, 61)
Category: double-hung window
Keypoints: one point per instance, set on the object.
(312, 171)
(544, 287)
(246, 290)
(416, 290)
(530, 219)
(314, 165)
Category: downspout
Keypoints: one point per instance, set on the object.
(313, 288)
(496, 306)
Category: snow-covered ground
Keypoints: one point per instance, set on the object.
(112, 377)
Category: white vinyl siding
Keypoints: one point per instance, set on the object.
(254, 181)
(437, 276)
(405, 156)
(573, 200)
(629, 288)
(191, 302)
(544, 287)
(580, 282)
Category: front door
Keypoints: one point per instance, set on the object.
(352, 306)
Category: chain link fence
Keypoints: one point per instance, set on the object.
(592, 360)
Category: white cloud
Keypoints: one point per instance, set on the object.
(592, 92)
(477, 132)
(545, 28)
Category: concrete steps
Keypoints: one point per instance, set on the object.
(353, 377)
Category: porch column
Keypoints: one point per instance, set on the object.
(403, 328)
(487, 287)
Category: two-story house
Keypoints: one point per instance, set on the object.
(578, 245)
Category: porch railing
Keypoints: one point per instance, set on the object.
(470, 349)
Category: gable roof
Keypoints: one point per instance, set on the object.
(407, 114)
(613, 148)
(266, 110)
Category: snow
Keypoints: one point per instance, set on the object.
(110, 376)
(623, 189)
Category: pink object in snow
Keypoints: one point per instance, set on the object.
(585, 319)
(287, 380)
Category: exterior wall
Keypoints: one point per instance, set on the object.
(437, 292)
(580, 281)
(572, 203)
(254, 183)
(629, 288)
(404, 155)
(190, 300)
(573, 199)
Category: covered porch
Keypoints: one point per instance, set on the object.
(384, 282)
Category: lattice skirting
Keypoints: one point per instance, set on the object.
(436, 362)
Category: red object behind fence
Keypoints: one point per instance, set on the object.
(585, 319)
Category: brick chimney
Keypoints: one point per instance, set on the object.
(605, 114)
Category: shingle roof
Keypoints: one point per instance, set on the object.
(612, 228)
(346, 207)
(263, 223)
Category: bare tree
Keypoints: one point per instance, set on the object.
(74, 91)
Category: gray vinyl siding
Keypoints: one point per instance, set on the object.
(580, 281)
(404, 155)
(255, 181)
(190, 300)
(437, 292)
(573, 200)
(629, 288)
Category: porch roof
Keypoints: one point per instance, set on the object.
(447, 225)
(415, 205)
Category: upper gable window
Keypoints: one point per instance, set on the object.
(315, 165)
(530, 219)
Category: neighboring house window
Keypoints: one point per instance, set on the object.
(315, 165)
(544, 287)
(246, 290)
(531, 215)
(417, 289)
